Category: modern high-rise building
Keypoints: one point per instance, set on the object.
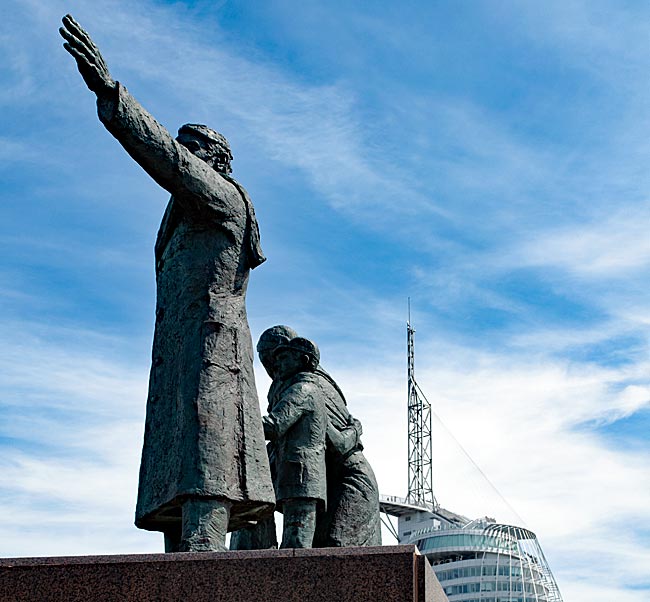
(475, 560)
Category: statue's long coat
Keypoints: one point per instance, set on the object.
(203, 431)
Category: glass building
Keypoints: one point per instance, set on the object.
(475, 560)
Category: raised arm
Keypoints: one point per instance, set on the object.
(169, 163)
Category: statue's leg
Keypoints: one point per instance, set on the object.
(173, 538)
(205, 524)
(260, 536)
(299, 523)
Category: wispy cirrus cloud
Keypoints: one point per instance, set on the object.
(601, 37)
(610, 248)
(72, 415)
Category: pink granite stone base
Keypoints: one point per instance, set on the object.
(379, 574)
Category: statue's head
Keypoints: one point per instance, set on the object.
(206, 144)
(296, 355)
(269, 341)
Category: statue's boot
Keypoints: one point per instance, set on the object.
(299, 523)
(205, 524)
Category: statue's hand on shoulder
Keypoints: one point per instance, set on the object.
(90, 62)
(356, 425)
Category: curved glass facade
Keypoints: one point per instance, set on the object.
(461, 540)
(488, 562)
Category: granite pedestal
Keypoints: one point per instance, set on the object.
(378, 574)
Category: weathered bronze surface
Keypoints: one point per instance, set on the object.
(351, 514)
(204, 464)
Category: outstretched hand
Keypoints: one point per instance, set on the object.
(90, 62)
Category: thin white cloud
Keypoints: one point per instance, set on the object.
(60, 376)
(20, 82)
(602, 37)
(12, 150)
(612, 248)
(75, 416)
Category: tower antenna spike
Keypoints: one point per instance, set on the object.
(420, 451)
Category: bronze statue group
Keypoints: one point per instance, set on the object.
(324, 486)
(205, 468)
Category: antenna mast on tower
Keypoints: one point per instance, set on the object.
(420, 484)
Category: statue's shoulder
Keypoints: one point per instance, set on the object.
(309, 381)
(236, 184)
(303, 384)
(235, 188)
(328, 383)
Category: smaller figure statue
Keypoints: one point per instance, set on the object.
(296, 426)
(351, 517)
(262, 534)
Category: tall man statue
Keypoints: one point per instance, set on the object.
(204, 466)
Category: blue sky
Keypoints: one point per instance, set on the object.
(489, 160)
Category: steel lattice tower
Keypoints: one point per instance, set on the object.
(420, 483)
